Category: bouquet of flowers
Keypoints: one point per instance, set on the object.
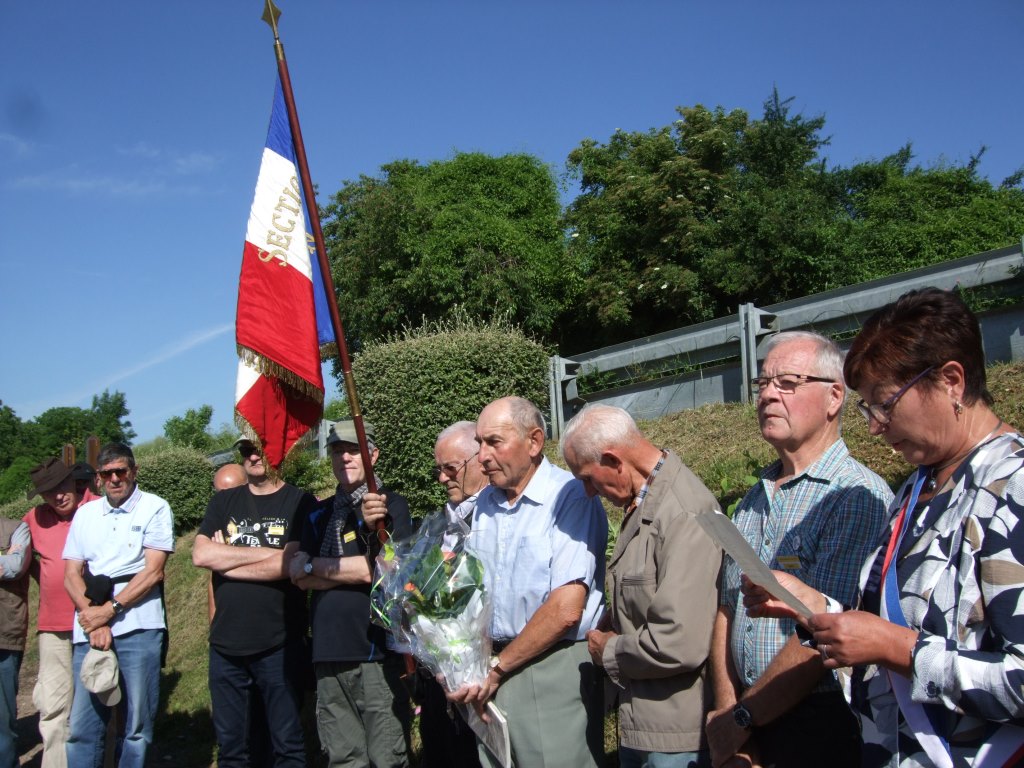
(429, 592)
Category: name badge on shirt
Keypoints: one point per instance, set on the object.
(350, 536)
(136, 528)
(789, 562)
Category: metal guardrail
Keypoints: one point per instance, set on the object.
(722, 354)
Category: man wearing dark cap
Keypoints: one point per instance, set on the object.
(256, 635)
(49, 524)
(85, 479)
(362, 707)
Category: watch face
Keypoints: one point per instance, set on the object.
(308, 567)
(742, 716)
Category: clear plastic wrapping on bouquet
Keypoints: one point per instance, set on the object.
(429, 593)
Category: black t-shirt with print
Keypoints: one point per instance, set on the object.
(255, 616)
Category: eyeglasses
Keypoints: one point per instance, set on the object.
(786, 383)
(880, 412)
(451, 470)
(245, 450)
(120, 472)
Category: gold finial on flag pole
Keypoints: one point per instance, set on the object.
(271, 13)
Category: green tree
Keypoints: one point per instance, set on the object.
(191, 429)
(56, 427)
(110, 418)
(337, 409)
(11, 443)
(903, 216)
(475, 231)
(642, 222)
(682, 223)
(15, 479)
(47, 434)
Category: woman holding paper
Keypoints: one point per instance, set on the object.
(937, 642)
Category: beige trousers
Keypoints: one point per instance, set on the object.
(52, 695)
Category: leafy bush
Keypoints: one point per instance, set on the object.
(412, 387)
(15, 510)
(14, 480)
(184, 477)
(305, 470)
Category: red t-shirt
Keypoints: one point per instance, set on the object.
(49, 532)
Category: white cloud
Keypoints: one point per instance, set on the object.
(77, 184)
(17, 146)
(195, 163)
(139, 149)
(169, 352)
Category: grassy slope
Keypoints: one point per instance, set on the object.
(720, 442)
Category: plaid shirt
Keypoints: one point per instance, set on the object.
(642, 493)
(819, 526)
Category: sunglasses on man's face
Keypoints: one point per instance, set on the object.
(120, 472)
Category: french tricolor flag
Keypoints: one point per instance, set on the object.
(278, 330)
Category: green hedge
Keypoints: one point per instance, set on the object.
(15, 510)
(15, 480)
(410, 388)
(181, 475)
(305, 470)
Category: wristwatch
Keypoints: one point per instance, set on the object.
(118, 608)
(742, 716)
(495, 666)
(308, 567)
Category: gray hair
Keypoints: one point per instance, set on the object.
(596, 428)
(463, 433)
(525, 416)
(828, 357)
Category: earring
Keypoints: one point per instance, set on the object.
(958, 407)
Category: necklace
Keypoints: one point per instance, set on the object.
(933, 473)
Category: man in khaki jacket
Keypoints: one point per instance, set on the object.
(655, 640)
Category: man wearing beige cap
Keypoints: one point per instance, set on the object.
(362, 707)
(49, 524)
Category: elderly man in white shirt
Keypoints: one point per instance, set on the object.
(541, 541)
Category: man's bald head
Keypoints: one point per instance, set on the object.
(229, 476)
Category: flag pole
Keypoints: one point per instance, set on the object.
(271, 13)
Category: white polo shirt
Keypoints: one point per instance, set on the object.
(112, 541)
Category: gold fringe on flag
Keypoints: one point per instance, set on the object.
(269, 368)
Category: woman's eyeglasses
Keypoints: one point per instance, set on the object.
(882, 412)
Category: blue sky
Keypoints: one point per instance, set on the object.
(131, 135)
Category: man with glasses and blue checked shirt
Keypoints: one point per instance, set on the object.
(815, 513)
